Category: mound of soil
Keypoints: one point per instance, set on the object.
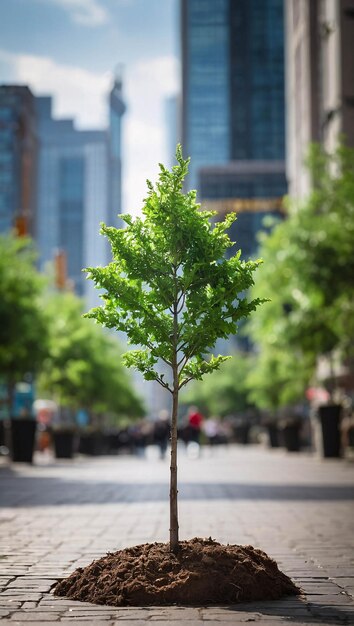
(203, 572)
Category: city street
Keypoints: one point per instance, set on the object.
(58, 515)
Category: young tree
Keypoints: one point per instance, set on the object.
(173, 292)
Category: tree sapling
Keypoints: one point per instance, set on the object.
(172, 290)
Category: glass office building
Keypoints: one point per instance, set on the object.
(257, 89)
(253, 189)
(206, 83)
(233, 107)
(79, 187)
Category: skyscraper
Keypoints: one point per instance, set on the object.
(233, 107)
(172, 109)
(18, 159)
(116, 111)
(72, 193)
(205, 83)
(58, 183)
(79, 187)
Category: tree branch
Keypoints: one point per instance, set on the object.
(182, 346)
(185, 382)
(165, 385)
(183, 297)
(187, 357)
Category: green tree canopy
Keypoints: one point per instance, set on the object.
(169, 286)
(23, 327)
(83, 367)
(308, 276)
(225, 392)
(278, 378)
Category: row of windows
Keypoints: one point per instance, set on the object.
(71, 180)
(256, 186)
(257, 84)
(235, 81)
(7, 114)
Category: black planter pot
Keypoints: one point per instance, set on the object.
(291, 437)
(273, 435)
(64, 444)
(242, 433)
(91, 444)
(330, 416)
(351, 437)
(23, 434)
(2, 433)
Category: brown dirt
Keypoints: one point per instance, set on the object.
(203, 572)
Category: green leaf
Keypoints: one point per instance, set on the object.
(169, 286)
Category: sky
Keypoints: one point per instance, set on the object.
(70, 48)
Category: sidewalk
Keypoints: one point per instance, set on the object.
(56, 516)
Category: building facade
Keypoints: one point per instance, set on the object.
(79, 186)
(320, 80)
(205, 83)
(72, 194)
(252, 189)
(18, 159)
(57, 183)
(233, 107)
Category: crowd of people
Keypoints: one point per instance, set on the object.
(192, 429)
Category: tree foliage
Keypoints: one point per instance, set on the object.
(225, 392)
(169, 286)
(83, 366)
(278, 377)
(23, 328)
(308, 276)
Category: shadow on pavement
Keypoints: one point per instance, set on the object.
(38, 491)
(292, 609)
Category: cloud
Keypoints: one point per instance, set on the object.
(83, 95)
(147, 84)
(84, 12)
(77, 92)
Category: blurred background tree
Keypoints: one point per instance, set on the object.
(23, 325)
(83, 368)
(308, 276)
(225, 392)
(278, 379)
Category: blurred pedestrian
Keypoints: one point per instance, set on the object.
(211, 430)
(195, 420)
(162, 432)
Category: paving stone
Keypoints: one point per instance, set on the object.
(4, 613)
(136, 622)
(57, 516)
(35, 616)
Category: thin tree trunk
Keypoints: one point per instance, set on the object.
(174, 545)
(173, 478)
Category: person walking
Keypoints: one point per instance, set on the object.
(162, 432)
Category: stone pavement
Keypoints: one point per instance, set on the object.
(58, 515)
